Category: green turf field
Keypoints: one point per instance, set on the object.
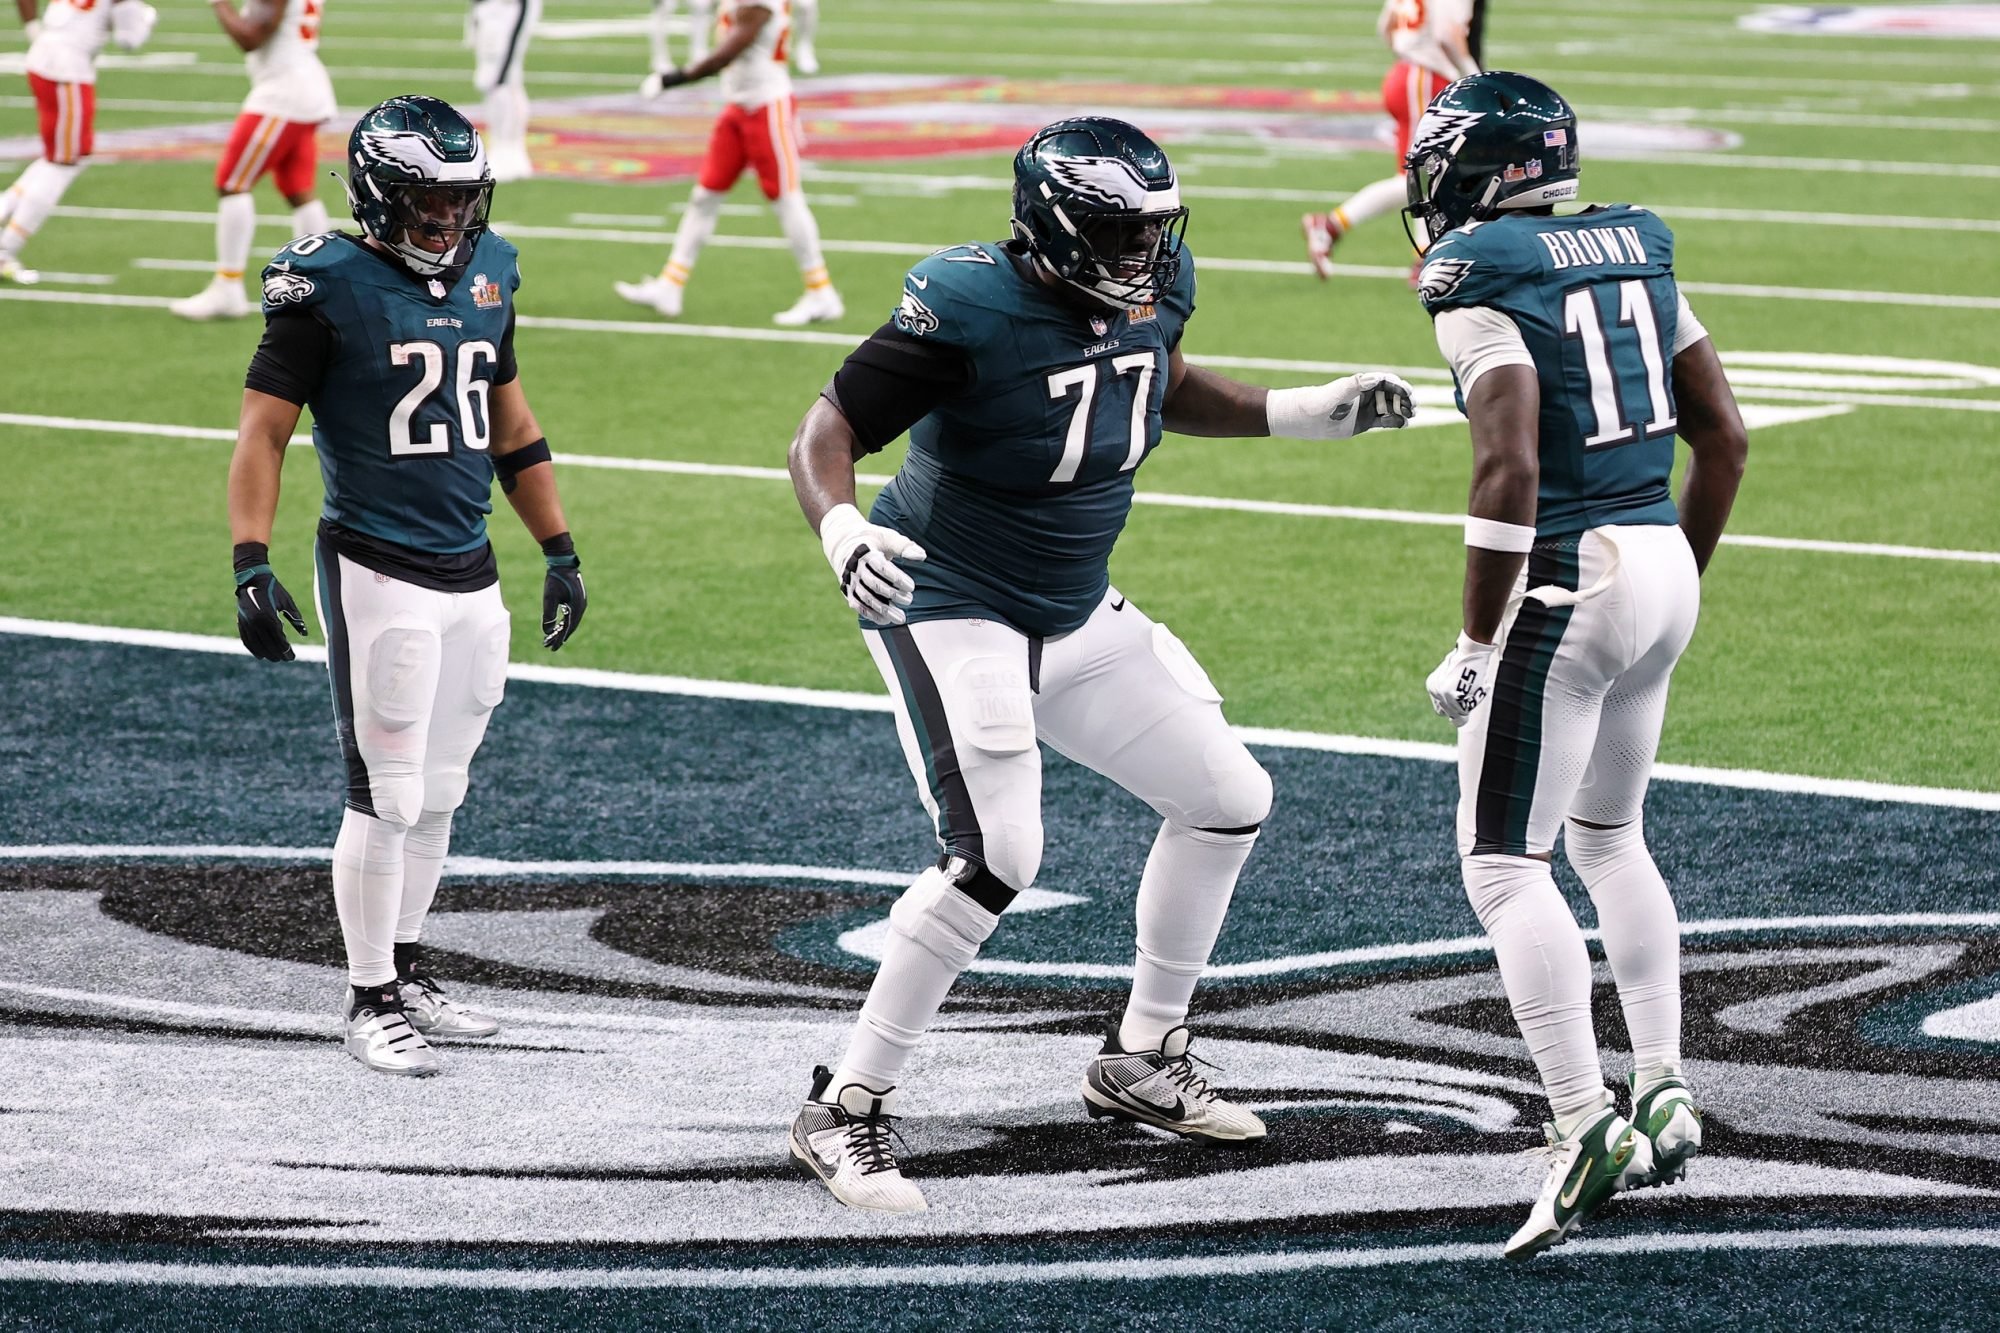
(1838, 664)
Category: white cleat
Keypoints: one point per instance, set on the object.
(1664, 1111)
(822, 303)
(379, 1035)
(656, 294)
(11, 270)
(846, 1144)
(221, 299)
(806, 59)
(1604, 1155)
(434, 1014)
(1161, 1088)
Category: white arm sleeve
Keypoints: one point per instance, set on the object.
(1477, 340)
(1687, 329)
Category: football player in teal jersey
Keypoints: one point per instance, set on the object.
(1577, 362)
(402, 343)
(1034, 377)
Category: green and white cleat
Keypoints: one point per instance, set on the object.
(1665, 1112)
(1605, 1155)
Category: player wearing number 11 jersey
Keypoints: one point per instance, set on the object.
(1577, 362)
(1034, 378)
(402, 343)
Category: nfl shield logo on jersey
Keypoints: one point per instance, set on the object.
(1099, 325)
(485, 295)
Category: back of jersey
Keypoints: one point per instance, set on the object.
(1594, 298)
(287, 79)
(401, 419)
(758, 77)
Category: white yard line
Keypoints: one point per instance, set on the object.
(850, 701)
(1166, 499)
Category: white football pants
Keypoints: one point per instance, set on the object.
(1569, 733)
(1120, 695)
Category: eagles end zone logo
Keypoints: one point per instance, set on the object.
(657, 1037)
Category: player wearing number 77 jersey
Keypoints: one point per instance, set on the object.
(1577, 361)
(402, 343)
(1034, 377)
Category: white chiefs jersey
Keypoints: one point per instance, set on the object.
(1411, 28)
(758, 77)
(286, 78)
(73, 32)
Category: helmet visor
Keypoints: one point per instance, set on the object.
(435, 217)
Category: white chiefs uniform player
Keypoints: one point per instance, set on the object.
(62, 74)
(701, 15)
(1429, 39)
(758, 129)
(276, 133)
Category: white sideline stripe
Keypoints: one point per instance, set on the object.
(852, 701)
(917, 249)
(454, 865)
(964, 1275)
(1166, 499)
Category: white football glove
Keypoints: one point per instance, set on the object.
(1463, 680)
(132, 23)
(1342, 409)
(32, 30)
(864, 559)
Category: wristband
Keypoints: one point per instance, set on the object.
(1490, 534)
(834, 526)
(1289, 417)
(559, 550)
(249, 555)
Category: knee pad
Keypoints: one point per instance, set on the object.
(398, 798)
(940, 917)
(1242, 796)
(1493, 882)
(1011, 855)
(444, 790)
(1591, 850)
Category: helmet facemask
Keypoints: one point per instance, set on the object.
(434, 227)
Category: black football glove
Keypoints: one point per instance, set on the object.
(563, 598)
(260, 602)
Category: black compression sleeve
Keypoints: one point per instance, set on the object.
(891, 381)
(508, 370)
(291, 360)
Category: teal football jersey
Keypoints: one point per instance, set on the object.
(1018, 487)
(401, 420)
(1594, 297)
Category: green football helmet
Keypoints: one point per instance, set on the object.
(1097, 205)
(419, 184)
(1488, 143)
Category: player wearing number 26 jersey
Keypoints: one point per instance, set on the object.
(1578, 362)
(401, 341)
(1034, 378)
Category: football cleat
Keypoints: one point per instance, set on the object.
(380, 1036)
(433, 1014)
(656, 294)
(221, 299)
(1162, 1089)
(1605, 1155)
(12, 270)
(847, 1143)
(1320, 236)
(820, 303)
(1664, 1111)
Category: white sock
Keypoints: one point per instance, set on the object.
(506, 110)
(368, 894)
(310, 219)
(41, 187)
(1546, 970)
(697, 225)
(235, 228)
(1369, 202)
(803, 233)
(922, 959)
(12, 196)
(1183, 897)
(1642, 934)
(701, 21)
(424, 849)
